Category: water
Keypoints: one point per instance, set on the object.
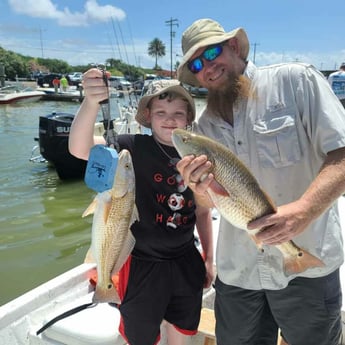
(42, 233)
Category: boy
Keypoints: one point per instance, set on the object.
(165, 275)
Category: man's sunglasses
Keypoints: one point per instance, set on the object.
(209, 54)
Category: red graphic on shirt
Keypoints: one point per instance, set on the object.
(175, 201)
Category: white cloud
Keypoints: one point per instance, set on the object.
(321, 60)
(103, 13)
(93, 12)
(34, 8)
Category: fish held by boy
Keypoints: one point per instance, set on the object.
(237, 195)
(112, 240)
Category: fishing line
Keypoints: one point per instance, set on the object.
(70, 313)
(64, 315)
(117, 41)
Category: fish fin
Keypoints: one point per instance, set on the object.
(106, 295)
(90, 209)
(256, 241)
(300, 261)
(269, 199)
(135, 215)
(106, 211)
(126, 250)
(89, 257)
(218, 189)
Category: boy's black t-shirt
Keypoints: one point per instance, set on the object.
(166, 207)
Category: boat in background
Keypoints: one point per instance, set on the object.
(15, 94)
(72, 94)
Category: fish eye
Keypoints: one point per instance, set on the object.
(109, 286)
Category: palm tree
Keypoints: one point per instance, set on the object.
(156, 49)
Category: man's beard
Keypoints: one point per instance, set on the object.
(220, 101)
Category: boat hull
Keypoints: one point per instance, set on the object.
(21, 318)
(25, 97)
(72, 95)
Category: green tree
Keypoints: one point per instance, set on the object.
(112, 63)
(156, 49)
(21, 66)
(15, 65)
(55, 65)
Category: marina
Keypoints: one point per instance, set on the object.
(44, 239)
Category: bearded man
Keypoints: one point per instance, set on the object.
(287, 126)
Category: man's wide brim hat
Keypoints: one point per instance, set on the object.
(202, 33)
(158, 87)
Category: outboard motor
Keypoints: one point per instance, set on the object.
(53, 141)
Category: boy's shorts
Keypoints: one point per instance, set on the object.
(152, 291)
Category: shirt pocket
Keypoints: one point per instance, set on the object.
(277, 141)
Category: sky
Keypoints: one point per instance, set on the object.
(81, 32)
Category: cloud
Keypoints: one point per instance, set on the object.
(103, 13)
(34, 8)
(92, 13)
(321, 60)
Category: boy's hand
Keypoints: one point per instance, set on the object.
(94, 87)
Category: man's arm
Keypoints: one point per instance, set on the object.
(293, 218)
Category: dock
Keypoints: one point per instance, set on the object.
(71, 95)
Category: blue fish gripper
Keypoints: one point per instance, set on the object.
(101, 168)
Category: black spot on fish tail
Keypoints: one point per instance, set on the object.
(300, 262)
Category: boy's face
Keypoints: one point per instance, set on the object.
(165, 115)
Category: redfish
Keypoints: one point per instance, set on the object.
(238, 196)
(112, 240)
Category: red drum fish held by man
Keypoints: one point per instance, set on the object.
(238, 196)
(112, 240)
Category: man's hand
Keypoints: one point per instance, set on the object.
(289, 221)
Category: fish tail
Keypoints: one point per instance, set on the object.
(106, 295)
(300, 262)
